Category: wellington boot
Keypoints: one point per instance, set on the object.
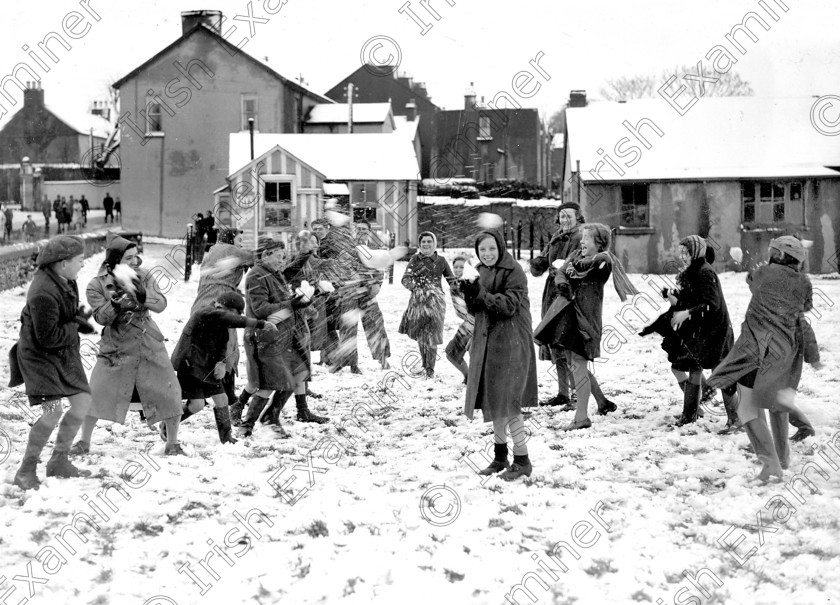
(779, 429)
(255, 408)
(222, 416)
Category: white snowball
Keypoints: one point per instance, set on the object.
(326, 286)
(470, 273)
(124, 275)
(737, 254)
(488, 220)
(807, 243)
(336, 219)
(375, 259)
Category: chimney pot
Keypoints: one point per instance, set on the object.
(211, 18)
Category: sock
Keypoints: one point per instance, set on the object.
(521, 460)
(300, 402)
(501, 451)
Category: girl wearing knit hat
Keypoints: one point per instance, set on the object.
(132, 365)
(766, 361)
(46, 358)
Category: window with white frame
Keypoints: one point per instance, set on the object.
(279, 202)
(634, 205)
(764, 202)
(250, 109)
(365, 202)
(154, 117)
(484, 131)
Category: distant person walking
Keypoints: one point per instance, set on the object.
(85, 209)
(3, 224)
(10, 215)
(108, 204)
(118, 209)
(46, 209)
(29, 229)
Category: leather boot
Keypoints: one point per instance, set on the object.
(779, 429)
(255, 408)
(803, 425)
(26, 476)
(500, 461)
(222, 416)
(238, 405)
(304, 414)
(691, 401)
(730, 404)
(762, 441)
(521, 467)
(275, 406)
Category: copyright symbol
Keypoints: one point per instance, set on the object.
(102, 166)
(160, 600)
(381, 55)
(820, 121)
(437, 512)
(5, 446)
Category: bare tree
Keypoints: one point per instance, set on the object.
(729, 84)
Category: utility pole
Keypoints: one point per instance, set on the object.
(350, 108)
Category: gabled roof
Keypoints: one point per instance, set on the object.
(343, 157)
(407, 128)
(384, 71)
(83, 122)
(233, 51)
(337, 113)
(718, 138)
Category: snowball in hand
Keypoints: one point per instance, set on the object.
(326, 286)
(125, 276)
(558, 263)
(470, 273)
(305, 290)
(488, 220)
(737, 254)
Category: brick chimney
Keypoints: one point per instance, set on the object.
(577, 98)
(411, 110)
(212, 18)
(33, 95)
(469, 97)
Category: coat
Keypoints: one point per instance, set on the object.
(706, 337)
(204, 341)
(47, 352)
(222, 271)
(578, 326)
(276, 360)
(771, 339)
(131, 355)
(423, 319)
(502, 377)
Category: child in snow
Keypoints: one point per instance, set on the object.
(200, 357)
(132, 364)
(78, 217)
(460, 343)
(766, 360)
(502, 376)
(29, 229)
(423, 319)
(46, 358)
(697, 331)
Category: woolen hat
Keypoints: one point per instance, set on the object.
(695, 245)
(60, 248)
(232, 300)
(790, 246)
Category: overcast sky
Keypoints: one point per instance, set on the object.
(488, 42)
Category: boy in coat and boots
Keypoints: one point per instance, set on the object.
(47, 359)
(200, 358)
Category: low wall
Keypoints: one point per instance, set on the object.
(17, 263)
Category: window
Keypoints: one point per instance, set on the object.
(278, 204)
(249, 110)
(778, 202)
(634, 206)
(365, 202)
(154, 117)
(484, 131)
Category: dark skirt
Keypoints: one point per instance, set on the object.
(423, 319)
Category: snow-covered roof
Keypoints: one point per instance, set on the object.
(82, 122)
(405, 127)
(337, 113)
(719, 137)
(557, 141)
(352, 157)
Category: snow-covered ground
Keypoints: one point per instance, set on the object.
(387, 509)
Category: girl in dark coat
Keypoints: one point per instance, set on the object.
(201, 354)
(579, 325)
(277, 360)
(502, 377)
(766, 360)
(423, 319)
(700, 332)
(46, 358)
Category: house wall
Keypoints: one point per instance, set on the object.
(92, 193)
(375, 128)
(459, 152)
(167, 179)
(713, 209)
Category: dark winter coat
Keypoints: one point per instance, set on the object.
(705, 338)
(47, 352)
(131, 355)
(423, 319)
(275, 358)
(771, 339)
(216, 279)
(204, 341)
(502, 377)
(579, 324)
